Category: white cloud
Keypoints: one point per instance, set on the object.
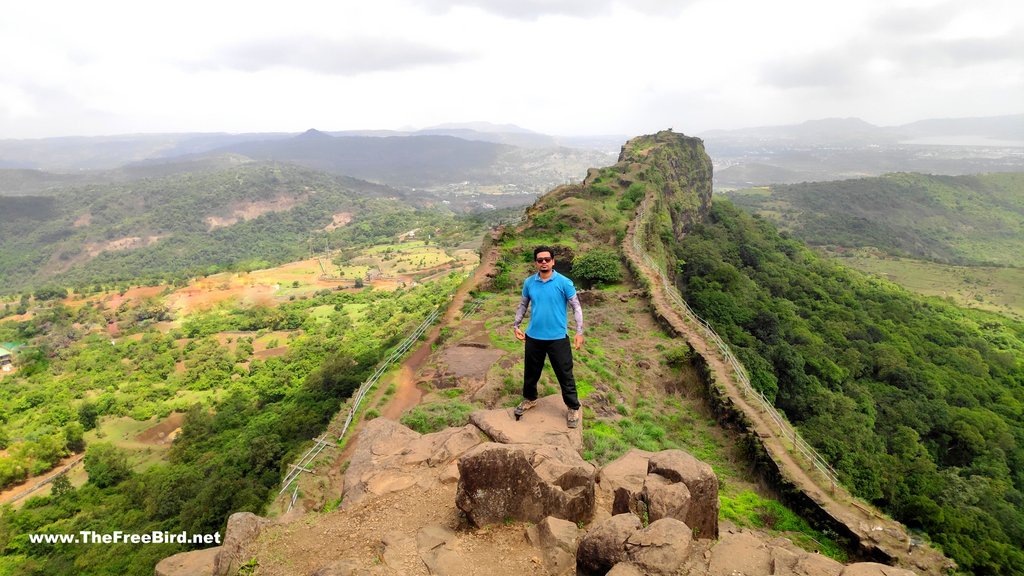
(343, 57)
(561, 66)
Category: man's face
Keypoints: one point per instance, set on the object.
(544, 261)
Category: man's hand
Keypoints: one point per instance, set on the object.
(578, 341)
(520, 335)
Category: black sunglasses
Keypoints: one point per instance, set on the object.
(542, 260)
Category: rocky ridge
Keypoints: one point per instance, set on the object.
(463, 502)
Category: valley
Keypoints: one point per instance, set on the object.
(192, 394)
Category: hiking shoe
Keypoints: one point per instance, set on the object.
(524, 406)
(572, 418)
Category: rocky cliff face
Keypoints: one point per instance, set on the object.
(680, 168)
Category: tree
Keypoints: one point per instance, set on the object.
(87, 415)
(51, 293)
(598, 266)
(106, 465)
(74, 436)
(61, 486)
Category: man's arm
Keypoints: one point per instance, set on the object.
(577, 316)
(520, 313)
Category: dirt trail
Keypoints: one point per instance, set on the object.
(872, 528)
(34, 483)
(407, 394)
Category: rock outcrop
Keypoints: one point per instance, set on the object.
(549, 484)
(557, 540)
(392, 458)
(677, 466)
(661, 548)
(667, 484)
(604, 545)
(683, 169)
(195, 563)
(544, 424)
(527, 482)
(243, 528)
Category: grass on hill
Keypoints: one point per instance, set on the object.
(988, 288)
(975, 220)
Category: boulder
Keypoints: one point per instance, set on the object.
(195, 563)
(380, 440)
(624, 479)
(390, 457)
(605, 545)
(783, 561)
(242, 530)
(666, 500)
(700, 480)
(667, 484)
(739, 552)
(660, 548)
(543, 424)
(498, 482)
(557, 540)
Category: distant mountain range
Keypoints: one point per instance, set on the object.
(110, 152)
(998, 130)
(468, 158)
(840, 148)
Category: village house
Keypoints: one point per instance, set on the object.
(6, 359)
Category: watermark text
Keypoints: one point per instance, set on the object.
(118, 537)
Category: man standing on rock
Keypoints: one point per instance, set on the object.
(549, 292)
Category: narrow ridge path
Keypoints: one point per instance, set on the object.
(874, 530)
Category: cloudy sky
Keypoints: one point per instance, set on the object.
(555, 66)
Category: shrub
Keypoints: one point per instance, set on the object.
(598, 266)
(429, 418)
(106, 465)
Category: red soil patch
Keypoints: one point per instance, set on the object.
(249, 210)
(339, 220)
(164, 431)
(204, 295)
(270, 353)
(230, 340)
(114, 301)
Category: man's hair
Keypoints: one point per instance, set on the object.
(540, 249)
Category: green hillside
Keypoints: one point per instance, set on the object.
(949, 219)
(181, 225)
(917, 403)
(254, 381)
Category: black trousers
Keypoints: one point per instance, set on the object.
(560, 354)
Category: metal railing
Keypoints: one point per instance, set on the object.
(67, 467)
(319, 444)
(473, 307)
(785, 428)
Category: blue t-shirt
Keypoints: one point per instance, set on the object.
(548, 301)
